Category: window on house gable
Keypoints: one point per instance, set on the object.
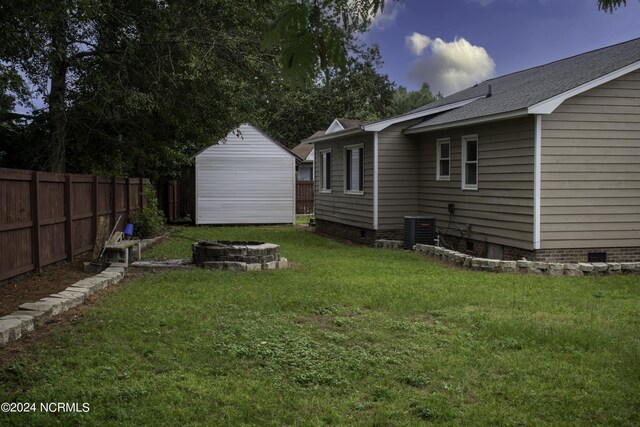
(325, 171)
(470, 162)
(443, 166)
(354, 161)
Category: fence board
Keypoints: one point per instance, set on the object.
(48, 217)
(304, 197)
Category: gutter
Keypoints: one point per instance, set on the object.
(476, 120)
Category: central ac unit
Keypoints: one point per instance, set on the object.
(419, 229)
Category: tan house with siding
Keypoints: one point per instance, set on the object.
(543, 163)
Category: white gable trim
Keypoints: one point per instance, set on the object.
(311, 156)
(232, 131)
(335, 126)
(548, 106)
(382, 125)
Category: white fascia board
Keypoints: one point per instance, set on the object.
(548, 106)
(331, 136)
(382, 125)
(537, 181)
(477, 120)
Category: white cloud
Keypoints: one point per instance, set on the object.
(448, 66)
(417, 43)
(388, 17)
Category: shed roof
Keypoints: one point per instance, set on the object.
(237, 129)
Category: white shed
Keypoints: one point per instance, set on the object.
(246, 178)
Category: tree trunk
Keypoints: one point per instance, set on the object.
(57, 113)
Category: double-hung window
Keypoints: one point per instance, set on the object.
(325, 171)
(354, 169)
(470, 162)
(443, 167)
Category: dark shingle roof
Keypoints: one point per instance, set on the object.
(302, 150)
(349, 123)
(523, 89)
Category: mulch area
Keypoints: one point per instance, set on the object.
(31, 287)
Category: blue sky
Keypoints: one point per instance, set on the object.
(452, 44)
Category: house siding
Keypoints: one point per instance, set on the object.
(590, 181)
(337, 206)
(398, 176)
(501, 210)
(247, 180)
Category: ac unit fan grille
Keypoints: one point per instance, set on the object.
(419, 229)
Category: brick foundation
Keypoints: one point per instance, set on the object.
(631, 254)
(510, 253)
(476, 248)
(351, 233)
(390, 234)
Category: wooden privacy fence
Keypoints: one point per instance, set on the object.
(174, 198)
(304, 197)
(49, 217)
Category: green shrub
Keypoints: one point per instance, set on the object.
(148, 221)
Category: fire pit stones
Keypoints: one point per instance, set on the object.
(237, 255)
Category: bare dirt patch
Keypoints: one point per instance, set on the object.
(33, 286)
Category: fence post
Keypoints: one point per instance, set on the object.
(127, 193)
(68, 229)
(35, 219)
(113, 202)
(141, 194)
(94, 207)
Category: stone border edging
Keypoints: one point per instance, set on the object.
(32, 314)
(528, 267)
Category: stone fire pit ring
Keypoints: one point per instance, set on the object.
(237, 255)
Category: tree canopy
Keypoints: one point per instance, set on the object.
(137, 86)
(611, 5)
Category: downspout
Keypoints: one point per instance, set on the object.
(537, 172)
(375, 180)
(195, 190)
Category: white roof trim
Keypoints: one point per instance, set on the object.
(548, 106)
(335, 126)
(473, 121)
(382, 125)
(311, 156)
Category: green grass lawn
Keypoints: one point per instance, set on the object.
(351, 335)
(303, 219)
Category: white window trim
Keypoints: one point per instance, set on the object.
(323, 170)
(346, 149)
(439, 143)
(466, 138)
